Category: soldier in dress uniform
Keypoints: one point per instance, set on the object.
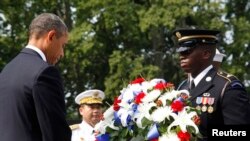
(217, 60)
(90, 109)
(221, 97)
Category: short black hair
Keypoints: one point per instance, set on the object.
(46, 22)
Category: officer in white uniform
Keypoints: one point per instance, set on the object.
(90, 102)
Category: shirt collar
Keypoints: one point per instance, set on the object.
(198, 78)
(86, 126)
(36, 49)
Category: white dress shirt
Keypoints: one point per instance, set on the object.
(38, 51)
(198, 78)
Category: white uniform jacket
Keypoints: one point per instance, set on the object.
(82, 132)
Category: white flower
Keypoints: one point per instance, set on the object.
(183, 119)
(167, 96)
(103, 124)
(169, 137)
(151, 96)
(158, 115)
(126, 95)
(125, 111)
(155, 81)
(146, 86)
(106, 122)
(143, 111)
(135, 88)
(171, 95)
(109, 112)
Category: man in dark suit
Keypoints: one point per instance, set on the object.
(221, 97)
(32, 106)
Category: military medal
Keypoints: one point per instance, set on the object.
(204, 102)
(198, 102)
(198, 107)
(210, 103)
(210, 109)
(204, 108)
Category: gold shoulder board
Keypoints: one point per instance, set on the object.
(227, 76)
(74, 126)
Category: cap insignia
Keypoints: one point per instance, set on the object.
(95, 94)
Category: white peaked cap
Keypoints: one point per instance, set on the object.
(218, 57)
(90, 97)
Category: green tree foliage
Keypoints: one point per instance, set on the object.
(238, 23)
(124, 67)
(115, 41)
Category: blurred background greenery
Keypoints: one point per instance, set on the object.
(114, 41)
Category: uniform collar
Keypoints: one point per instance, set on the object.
(198, 78)
(36, 49)
(85, 125)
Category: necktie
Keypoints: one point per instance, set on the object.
(192, 85)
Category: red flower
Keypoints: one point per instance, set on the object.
(139, 97)
(138, 80)
(177, 106)
(162, 85)
(183, 136)
(155, 139)
(116, 106)
(196, 120)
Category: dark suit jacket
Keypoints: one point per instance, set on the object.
(32, 106)
(231, 101)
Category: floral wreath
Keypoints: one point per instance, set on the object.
(149, 110)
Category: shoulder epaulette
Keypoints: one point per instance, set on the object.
(227, 76)
(234, 82)
(74, 126)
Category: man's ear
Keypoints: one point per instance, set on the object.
(80, 109)
(207, 54)
(51, 35)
